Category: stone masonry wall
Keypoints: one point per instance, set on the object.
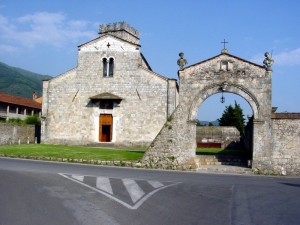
(286, 146)
(70, 117)
(172, 148)
(11, 134)
(217, 134)
(285, 149)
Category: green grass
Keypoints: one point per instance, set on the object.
(72, 152)
(90, 153)
(220, 151)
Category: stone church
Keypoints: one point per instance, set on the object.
(111, 96)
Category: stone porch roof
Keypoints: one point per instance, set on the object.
(105, 95)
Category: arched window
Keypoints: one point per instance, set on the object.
(108, 67)
(111, 67)
(104, 67)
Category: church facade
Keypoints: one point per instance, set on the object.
(112, 96)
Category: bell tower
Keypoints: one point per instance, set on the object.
(120, 30)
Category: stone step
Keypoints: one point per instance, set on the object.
(224, 169)
(222, 160)
(102, 145)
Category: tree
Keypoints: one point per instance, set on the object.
(239, 118)
(233, 116)
(199, 124)
(210, 124)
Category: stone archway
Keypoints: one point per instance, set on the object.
(231, 88)
(174, 146)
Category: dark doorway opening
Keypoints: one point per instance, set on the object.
(105, 137)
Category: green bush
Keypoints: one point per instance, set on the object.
(17, 121)
(35, 120)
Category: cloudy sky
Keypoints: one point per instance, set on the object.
(42, 36)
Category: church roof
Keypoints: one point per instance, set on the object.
(223, 53)
(105, 35)
(106, 95)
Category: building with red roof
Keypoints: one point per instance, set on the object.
(13, 107)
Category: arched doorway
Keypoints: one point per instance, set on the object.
(226, 146)
(231, 135)
(175, 145)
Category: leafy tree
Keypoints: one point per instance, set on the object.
(199, 123)
(239, 118)
(233, 116)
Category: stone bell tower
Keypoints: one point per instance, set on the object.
(120, 30)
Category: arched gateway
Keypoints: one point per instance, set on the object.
(174, 147)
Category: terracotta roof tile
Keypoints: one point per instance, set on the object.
(17, 100)
(285, 115)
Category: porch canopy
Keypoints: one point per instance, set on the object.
(105, 96)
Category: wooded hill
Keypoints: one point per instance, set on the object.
(20, 82)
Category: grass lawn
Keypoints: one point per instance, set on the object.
(219, 151)
(90, 153)
(71, 152)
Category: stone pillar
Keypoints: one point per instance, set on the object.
(7, 112)
(43, 115)
(262, 151)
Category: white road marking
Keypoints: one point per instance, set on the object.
(133, 189)
(77, 177)
(103, 183)
(155, 184)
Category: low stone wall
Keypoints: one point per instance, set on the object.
(225, 136)
(286, 143)
(285, 152)
(15, 134)
(217, 134)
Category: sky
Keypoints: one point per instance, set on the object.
(42, 37)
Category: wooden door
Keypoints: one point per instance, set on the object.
(105, 127)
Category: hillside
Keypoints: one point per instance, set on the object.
(20, 82)
(205, 123)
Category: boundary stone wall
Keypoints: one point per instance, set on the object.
(285, 157)
(223, 136)
(286, 145)
(11, 134)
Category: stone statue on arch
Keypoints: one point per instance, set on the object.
(181, 62)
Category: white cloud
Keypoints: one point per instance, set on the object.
(53, 29)
(288, 58)
(284, 58)
(9, 49)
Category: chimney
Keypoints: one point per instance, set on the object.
(34, 95)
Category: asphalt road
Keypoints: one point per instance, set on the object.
(42, 193)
